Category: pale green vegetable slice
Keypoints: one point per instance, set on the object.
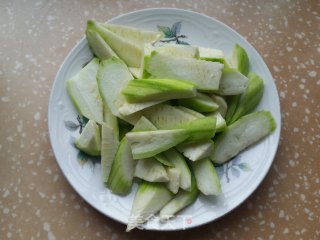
(200, 129)
(223, 107)
(142, 90)
(112, 76)
(110, 119)
(183, 51)
(149, 143)
(151, 170)
(241, 134)
(123, 168)
(122, 171)
(128, 110)
(197, 150)
(135, 35)
(109, 141)
(193, 151)
(206, 75)
(84, 93)
(149, 199)
(232, 107)
(109, 146)
(99, 47)
(180, 201)
(221, 123)
(174, 179)
(180, 163)
(211, 54)
(162, 159)
(136, 71)
(165, 116)
(240, 60)
(126, 50)
(232, 82)
(206, 177)
(170, 117)
(147, 50)
(144, 125)
(90, 141)
(189, 112)
(201, 103)
(139, 72)
(250, 98)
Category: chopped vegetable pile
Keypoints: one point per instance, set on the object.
(164, 115)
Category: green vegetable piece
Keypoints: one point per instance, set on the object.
(123, 168)
(200, 129)
(151, 170)
(206, 177)
(90, 141)
(99, 47)
(165, 116)
(182, 51)
(126, 50)
(200, 103)
(122, 171)
(129, 110)
(190, 113)
(84, 93)
(206, 75)
(147, 50)
(180, 163)
(141, 90)
(221, 123)
(232, 82)
(145, 125)
(109, 146)
(241, 134)
(250, 98)
(112, 76)
(149, 199)
(149, 143)
(232, 107)
(180, 201)
(136, 72)
(162, 159)
(174, 179)
(110, 119)
(109, 141)
(240, 60)
(214, 55)
(134, 35)
(223, 107)
(197, 150)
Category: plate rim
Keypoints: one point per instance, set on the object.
(264, 65)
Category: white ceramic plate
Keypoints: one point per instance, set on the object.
(239, 178)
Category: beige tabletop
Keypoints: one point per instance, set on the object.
(36, 201)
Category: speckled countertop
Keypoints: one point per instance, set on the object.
(36, 201)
